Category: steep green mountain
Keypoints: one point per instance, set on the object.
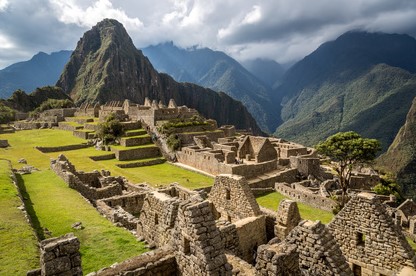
(41, 70)
(106, 66)
(401, 155)
(20, 101)
(268, 71)
(218, 71)
(361, 81)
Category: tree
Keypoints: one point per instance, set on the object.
(348, 149)
(109, 130)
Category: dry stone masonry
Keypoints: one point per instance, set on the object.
(369, 239)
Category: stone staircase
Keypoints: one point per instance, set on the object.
(268, 180)
(136, 148)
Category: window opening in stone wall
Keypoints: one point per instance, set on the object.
(227, 194)
(156, 219)
(186, 246)
(360, 239)
(356, 270)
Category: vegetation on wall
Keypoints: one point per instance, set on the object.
(52, 104)
(172, 125)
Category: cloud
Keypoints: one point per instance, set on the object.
(279, 29)
(3, 5)
(69, 12)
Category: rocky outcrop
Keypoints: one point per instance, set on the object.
(401, 155)
(106, 66)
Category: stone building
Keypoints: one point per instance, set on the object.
(369, 239)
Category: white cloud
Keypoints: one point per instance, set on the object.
(253, 16)
(3, 4)
(70, 12)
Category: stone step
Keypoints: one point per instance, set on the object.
(141, 163)
(134, 153)
(131, 125)
(135, 141)
(135, 132)
(79, 120)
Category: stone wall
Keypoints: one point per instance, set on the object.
(123, 209)
(233, 198)
(109, 186)
(251, 233)
(60, 256)
(229, 236)
(62, 148)
(258, 148)
(319, 254)
(157, 218)
(314, 200)
(198, 245)
(363, 181)
(288, 217)
(135, 141)
(136, 153)
(188, 137)
(369, 239)
(306, 165)
(33, 124)
(278, 259)
(84, 134)
(175, 190)
(160, 262)
(287, 176)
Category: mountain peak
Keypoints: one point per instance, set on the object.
(106, 66)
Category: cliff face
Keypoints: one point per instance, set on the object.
(106, 66)
(401, 155)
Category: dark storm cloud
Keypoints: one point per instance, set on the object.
(279, 29)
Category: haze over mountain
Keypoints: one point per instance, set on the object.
(268, 71)
(361, 81)
(106, 66)
(41, 70)
(218, 71)
(401, 155)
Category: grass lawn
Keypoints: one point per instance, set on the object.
(18, 244)
(56, 207)
(272, 200)
(23, 143)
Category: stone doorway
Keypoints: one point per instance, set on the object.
(356, 270)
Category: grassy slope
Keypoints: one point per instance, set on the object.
(272, 200)
(23, 143)
(18, 244)
(57, 207)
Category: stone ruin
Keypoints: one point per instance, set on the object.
(93, 185)
(288, 217)
(225, 232)
(59, 257)
(369, 238)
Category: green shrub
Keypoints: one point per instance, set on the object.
(173, 141)
(6, 114)
(110, 130)
(52, 104)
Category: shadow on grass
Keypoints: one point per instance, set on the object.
(29, 208)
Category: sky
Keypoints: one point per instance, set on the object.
(282, 30)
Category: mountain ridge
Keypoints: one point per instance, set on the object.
(41, 70)
(107, 66)
(333, 89)
(217, 71)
